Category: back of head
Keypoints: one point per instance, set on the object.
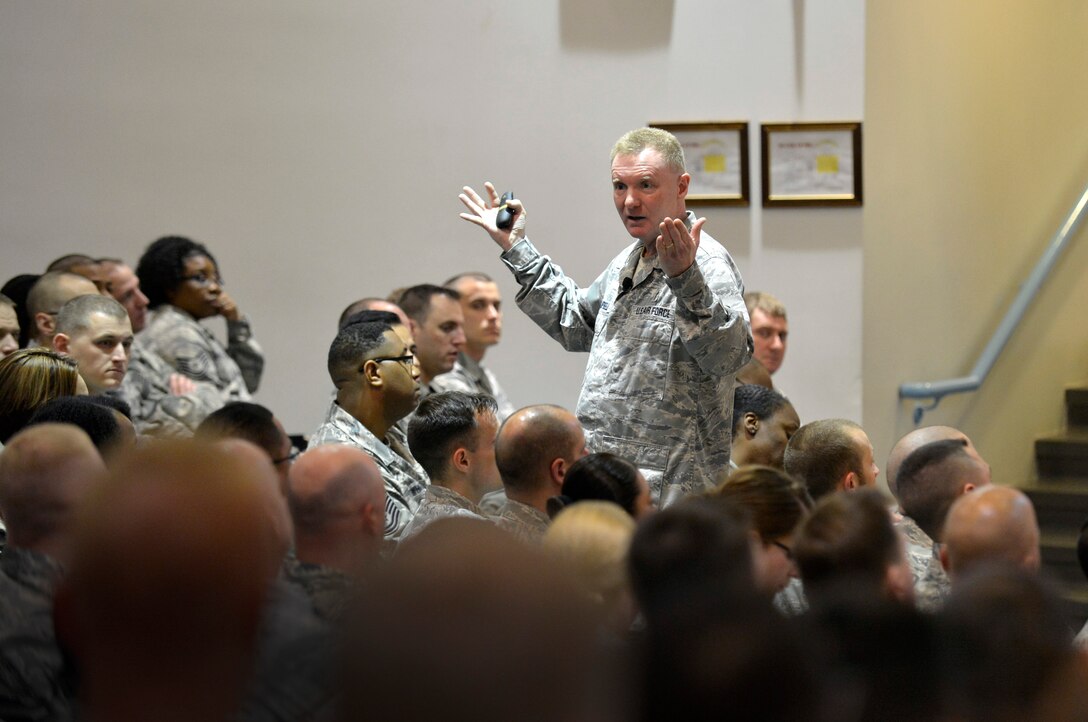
(177, 533)
(820, 453)
(848, 539)
(416, 300)
(765, 302)
(1005, 638)
(243, 420)
(991, 524)
(443, 422)
(96, 420)
(28, 379)
(592, 539)
(17, 289)
(71, 261)
(690, 563)
(759, 400)
(931, 478)
(365, 333)
(776, 501)
(162, 266)
(45, 473)
(353, 312)
(75, 315)
(912, 441)
(529, 441)
(53, 290)
(475, 603)
(602, 477)
(329, 483)
(635, 141)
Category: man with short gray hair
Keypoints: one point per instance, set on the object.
(97, 333)
(665, 324)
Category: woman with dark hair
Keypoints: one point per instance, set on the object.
(30, 378)
(777, 503)
(182, 283)
(604, 477)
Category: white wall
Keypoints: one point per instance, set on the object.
(318, 148)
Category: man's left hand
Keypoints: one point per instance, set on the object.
(676, 246)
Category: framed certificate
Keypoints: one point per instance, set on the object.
(716, 154)
(811, 164)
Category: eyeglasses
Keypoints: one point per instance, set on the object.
(291, 456)
(408, 359)
(203, 279)
(785, 549)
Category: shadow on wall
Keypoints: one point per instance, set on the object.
(615, 25)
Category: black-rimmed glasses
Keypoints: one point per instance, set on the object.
(785, 549)
(409, 359)
(202, 279)
(291, 456)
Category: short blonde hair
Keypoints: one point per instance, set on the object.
(664, 142)
(765, 302)
(592, 538)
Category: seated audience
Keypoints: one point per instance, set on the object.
(45, 474)
(592, 539)
(769, 329)
(763, 422)
(831, 455)
(28, 379)
(438, 328)
(535, 448)
(255, 424)
(929, 480)
(993, 524)
(452, 436)
(95, 331)
(336, 497)
(182, 283)
(848, 542)
(777, 504)
(604, 477)
(43, 303)
(373, 365)
(481, 303)
(9, 327)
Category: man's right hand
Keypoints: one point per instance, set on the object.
(484, 215)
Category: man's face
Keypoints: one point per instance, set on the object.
(440, 337)
(646, 191)
(481, 304)
(769, 334)
(9, 330)
(773, 435)
(400, 379)
(869, 470)
(578, 448)
(484, 472)
(101, 351)
(125, 288)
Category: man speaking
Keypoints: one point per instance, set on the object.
(665, 324)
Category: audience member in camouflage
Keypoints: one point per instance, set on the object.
(330, 591)
(526, 523)
(441, 503)
(470, 377)
(665, 324)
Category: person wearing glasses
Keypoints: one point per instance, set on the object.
(373, 364)
(182, 283)
(256, 424)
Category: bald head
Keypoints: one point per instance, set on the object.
(933, 476)
(336, 496)
(913, 441)
(48, 294)
(45, 473)
(994, 523)
(535, 445)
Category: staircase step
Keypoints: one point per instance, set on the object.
(1061, 506)
(1063, 454)
(1059, 555)
(1076, 404)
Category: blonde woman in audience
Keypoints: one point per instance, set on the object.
(592, 538)
(28, 379)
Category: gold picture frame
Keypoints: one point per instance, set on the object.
(716, 153)
(811, 164)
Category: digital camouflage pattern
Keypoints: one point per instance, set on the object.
(441, 503)
(931, 584)
(331, 591)
(405, 480)
(471, 377)
(658, 387)
(526, 523)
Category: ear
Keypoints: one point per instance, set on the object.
(373, 518)
(751, 424)
(968, 488)
(682, 188)
(414, 328)
(372, 373)
(850, 481)
(558, 469)
(61, 343)
(45, 323)
(461, 460)
(942, 552)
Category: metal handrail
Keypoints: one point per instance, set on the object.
(937, 390)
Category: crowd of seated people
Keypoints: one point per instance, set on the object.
(435, 552)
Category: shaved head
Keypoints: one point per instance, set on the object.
(532, 439)
(45, 473)
(994, 523)
(913, 441)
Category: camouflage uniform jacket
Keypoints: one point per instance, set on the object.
(658, 387)
(931, 583)
(33, 685)
(440, 503)
(526, 523)
(156, 411)
(331, 591)
(192, 350)
(405, 480)
(470, 376)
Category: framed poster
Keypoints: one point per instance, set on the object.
(716, 153)
(811, 164)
